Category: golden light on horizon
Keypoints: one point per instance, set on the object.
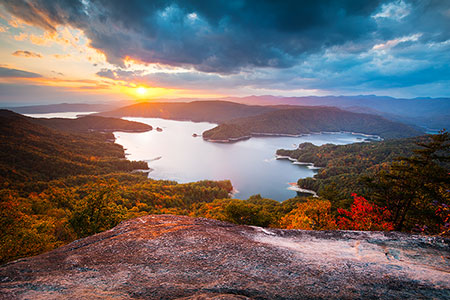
(141, 91)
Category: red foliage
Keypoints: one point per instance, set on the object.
(364, 216)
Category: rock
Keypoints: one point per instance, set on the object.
(177, 257)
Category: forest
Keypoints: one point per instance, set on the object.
(237, 120)
(59, 185)
(410, 178)
(343, 167)
(305, 120)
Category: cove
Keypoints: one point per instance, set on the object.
(174, 154)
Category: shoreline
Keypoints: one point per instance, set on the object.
(309, 165)
(120, 130)
(142, 170)
(368, 137)
(229, 140)
(296, 188)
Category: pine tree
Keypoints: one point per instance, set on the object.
(414, 186)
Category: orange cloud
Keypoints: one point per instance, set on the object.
(61, 56)
(15, 22)
(22, 36)
(26, 54)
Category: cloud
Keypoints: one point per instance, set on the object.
(7, 72)
(332, 45)
(394, 10)
(395, 42)
(57, 73)
(221, 36)
(25, 53)
(15, 94)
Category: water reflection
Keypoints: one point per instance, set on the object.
(250, 165)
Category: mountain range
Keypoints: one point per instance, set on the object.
(237, 121)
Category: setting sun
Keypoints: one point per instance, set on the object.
(141, 91)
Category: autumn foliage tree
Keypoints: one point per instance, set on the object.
(412, 186)
(314, 214)
(364, 216)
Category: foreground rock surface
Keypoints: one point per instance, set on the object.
(175, 257)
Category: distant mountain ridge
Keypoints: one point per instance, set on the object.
(65, 107)
(425, 112)
(238, 121)
(430, 113)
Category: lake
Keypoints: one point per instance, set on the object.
(66, 115)
(174, 154)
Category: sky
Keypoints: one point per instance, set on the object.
(55, 51)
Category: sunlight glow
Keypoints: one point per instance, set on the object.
(141, 91)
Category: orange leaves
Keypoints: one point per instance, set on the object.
(311, 215)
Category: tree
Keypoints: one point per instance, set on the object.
(364, 216)
(412, 184)
(314, 214)
(98, 210)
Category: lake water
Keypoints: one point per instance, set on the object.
(67, 115)
(251, 166)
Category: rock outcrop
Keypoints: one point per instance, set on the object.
(175, 257)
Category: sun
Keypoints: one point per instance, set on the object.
(141, 91)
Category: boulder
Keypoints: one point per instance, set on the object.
(178, 257)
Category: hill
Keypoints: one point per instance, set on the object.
(57, 186)
(92, 123)
(343, 166)
(197, 111)
(175, 257)
(424, 112)
(304, 120)
(32, 151)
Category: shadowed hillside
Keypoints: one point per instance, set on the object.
(197, 111)
(32, 151)
(92, 123)
(427, 112)
(304, 120)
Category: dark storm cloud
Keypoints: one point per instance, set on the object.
(212, 36)
(333, 45)
(7, 72)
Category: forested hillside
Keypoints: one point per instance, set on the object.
(197, 111)
(410, 178)
(295, 121)
(92, 123)
(344, 166)
(33, 152)
(57, 186)
(428, 112)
